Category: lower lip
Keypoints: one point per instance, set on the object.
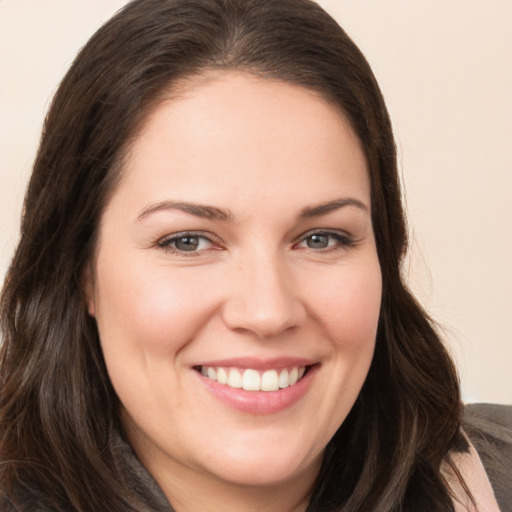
(261, 402)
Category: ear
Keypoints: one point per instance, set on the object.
(88, 290)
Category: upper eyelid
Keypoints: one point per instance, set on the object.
(324, 231)
(167, 242)
(200, 234)
(216, 239)
(343, 239)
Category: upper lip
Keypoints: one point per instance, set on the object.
(258, 363)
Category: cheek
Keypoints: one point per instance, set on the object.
(348, 304)
(147, 309)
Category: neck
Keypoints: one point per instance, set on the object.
(230, 498)
(191, 490)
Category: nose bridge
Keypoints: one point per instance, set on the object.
(264, 299)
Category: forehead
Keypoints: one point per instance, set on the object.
(247, 133)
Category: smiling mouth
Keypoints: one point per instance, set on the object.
(254, 380)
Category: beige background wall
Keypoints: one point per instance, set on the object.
(445, 67)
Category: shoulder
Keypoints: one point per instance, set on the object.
(491, 421)
(142, 492)
(489, 428)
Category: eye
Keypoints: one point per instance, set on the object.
(318, 241)
(322, 240)
(185, 243)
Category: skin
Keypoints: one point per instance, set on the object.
(266, 152)
(473, 474)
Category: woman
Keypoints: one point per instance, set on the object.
(206, 310)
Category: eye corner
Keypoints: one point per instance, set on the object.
(188, 243)
(324, 240)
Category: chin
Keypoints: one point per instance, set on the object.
(265, 470)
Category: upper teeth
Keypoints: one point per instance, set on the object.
(253, 380)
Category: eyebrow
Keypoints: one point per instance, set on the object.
(325, 208)
(199, 210)
(215, 213)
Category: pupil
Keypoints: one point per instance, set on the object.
(187, 243)
(318, 241)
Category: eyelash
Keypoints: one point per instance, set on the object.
(342, 240)
(165, 243)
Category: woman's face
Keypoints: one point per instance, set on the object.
(236, 284)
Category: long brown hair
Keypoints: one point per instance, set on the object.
(58, 410)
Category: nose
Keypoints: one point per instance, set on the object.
(264, 299)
